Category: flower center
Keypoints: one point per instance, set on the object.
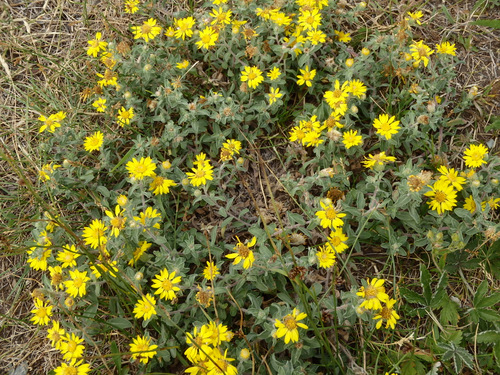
(370, 292)
(71, 346)
(252, 76)
(117, 222)
(146, 29)
(71, 370)
(335, 241)
(290, 322)
(200, 173)
(42, 312)
(243, 250)
(331, 213)
(386, 313)
(166, 284)
(440, 196)
(78, 282)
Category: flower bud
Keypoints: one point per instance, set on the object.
(127, 95)
(476, 183)
(148, 67)
(139, 276)
(244, 354)
(197, 193)
(349, 62)
(122, 200)
(365, 51)
(494, 181)
(354, 109)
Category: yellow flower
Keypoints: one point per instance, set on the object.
(96, 45)
(68, 256)
(76, 368)
(388, 314)
(47, 171)
(145, 307)
(446, 48)
(142, 168)
(109, 78)
(220, 16)
(150, 213)
(310, 20)
(125, 115)
(274, 73)
(143, 247)
(108, 60)
(326, 257)
(219, 364)
(200, 174)
(218, 333)
(274, 95)
(236, 26)
(343, 37)
(470, 204)
(100, 105)
(208, 37)
(42, 312)
(199, 343)
(253, 75)
(77, 286)
(288, 326)
(338, 95)
(165, 284)
(377, 161)
(336, 241)
(182, 65)
(443, 196)
(493, 203)
(306, 76)
(161, 185)
(420, 52)
(142, 349)
(204, 296)
(386, 127)
(56, 277)
(474, 155)
(39, 254)
(373, 293)
(451, 177)
(233, 146)
(280, 18)
(415, 16)
(243, 253)
(131, 6)
(351, 138)
(330, 218)
(55, 335)
(210, 271)
(104, 266)
(147, 31)
(52, 122)
(71, 347)
(316, 37)
(356, 88)
(94, 234)
(93, 142)
(184, 27)
(117, 221)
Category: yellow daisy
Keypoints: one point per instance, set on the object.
(145, 167)
(145, 307)
(243, 253)
(443, 196)
(288, 326)
(165, 284)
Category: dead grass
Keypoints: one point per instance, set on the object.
(42, 70)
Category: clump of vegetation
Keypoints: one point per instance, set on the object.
(245, 163)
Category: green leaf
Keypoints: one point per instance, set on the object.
(449, 312)
(495, 24)
(459, 355)
(425, 281)
(489, 301)
(119, 323)
(412, 366)
(488, 315)
(494, 125)
(480, 293)
(489, 337)
(412, 297)
(116, 356)
(440, 290)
